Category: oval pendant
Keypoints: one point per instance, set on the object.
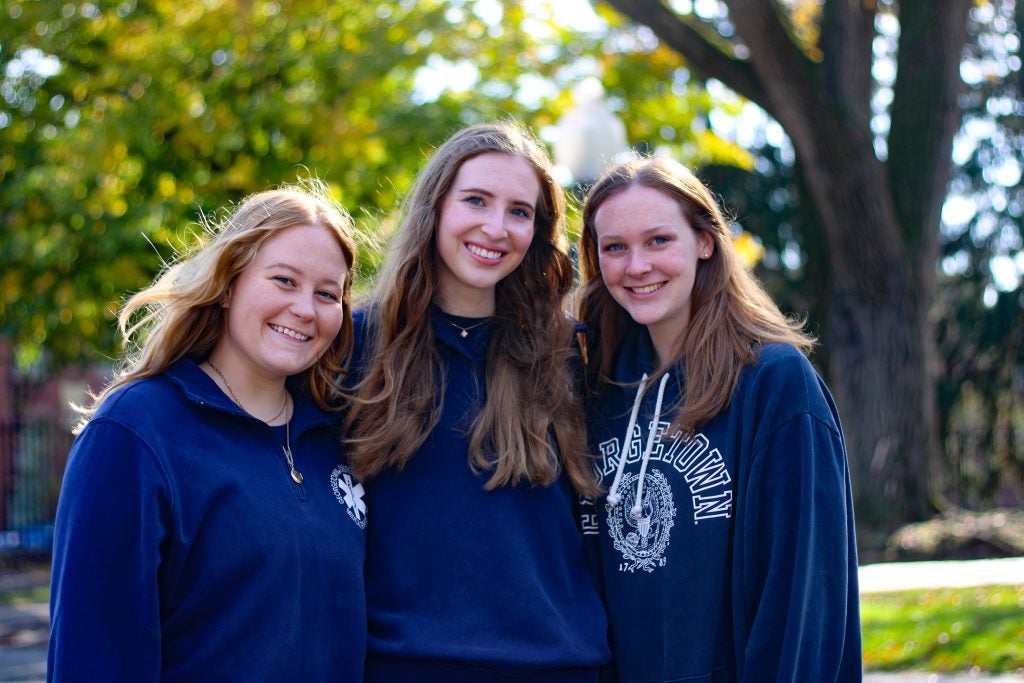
(296, 476)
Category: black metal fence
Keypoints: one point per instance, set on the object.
(33, 475)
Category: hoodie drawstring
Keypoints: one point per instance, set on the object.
(613, 494)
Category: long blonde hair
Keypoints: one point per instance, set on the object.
(731, 312)
(530, 388)
(180, 314)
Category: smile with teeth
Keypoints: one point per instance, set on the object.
(298, 336)
(484, 253)
(647, 289)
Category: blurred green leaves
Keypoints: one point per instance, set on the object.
(121, 123)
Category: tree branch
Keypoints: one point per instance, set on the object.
(925, 113)
(847, 30)
(701, 54)
(781, 68)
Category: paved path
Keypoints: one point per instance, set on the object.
(23, 628)
(894, 576)
(23, 635)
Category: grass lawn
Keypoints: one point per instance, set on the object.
(945, 630)
(25, 595)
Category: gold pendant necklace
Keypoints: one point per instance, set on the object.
(464, 331)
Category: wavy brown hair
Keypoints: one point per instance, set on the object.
(180, 314)
(531, 424)
(731, 314)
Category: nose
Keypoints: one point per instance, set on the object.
(494, 225)
(302, 305)
(637, 263)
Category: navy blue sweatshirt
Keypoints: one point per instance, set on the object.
(740, 564)
(185, 552)
(465, 584)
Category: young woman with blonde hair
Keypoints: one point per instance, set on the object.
(467, 429)
(208, 527)
(725, 545)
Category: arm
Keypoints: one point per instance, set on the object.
(797, 571)
(111, 521)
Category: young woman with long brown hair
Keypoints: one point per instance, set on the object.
(467, 429)
(725, 545)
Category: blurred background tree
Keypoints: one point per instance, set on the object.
(870, 96)
(831, 130)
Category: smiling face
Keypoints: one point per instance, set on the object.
(485, 229)
(284, 310)
(648, 253)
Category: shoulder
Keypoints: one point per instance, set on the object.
(363, 323)
(361, 317)
(164, 399)
(781, 362)
(139, 399)
(783, 381)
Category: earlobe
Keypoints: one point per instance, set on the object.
(707, 246)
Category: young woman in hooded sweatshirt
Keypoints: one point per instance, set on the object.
(467, 431)
(208, 528)
(724, 545)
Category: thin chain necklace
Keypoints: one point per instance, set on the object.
(464, 330)
(287, 448)
(234, 396)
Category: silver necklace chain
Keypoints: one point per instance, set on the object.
(234, 396)
(287, 448)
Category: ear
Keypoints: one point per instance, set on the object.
(705, 245)
(225, 299)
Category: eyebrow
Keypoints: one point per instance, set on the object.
(286, 266)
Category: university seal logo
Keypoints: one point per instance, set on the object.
(642, 540)
(349, 493)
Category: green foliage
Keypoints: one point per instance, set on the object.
(121, 124)
(37, 594)
(945, 630)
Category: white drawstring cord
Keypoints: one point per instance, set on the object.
(637, 503)
(613, 494)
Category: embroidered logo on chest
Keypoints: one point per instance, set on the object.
(349, 493)
(642, 540)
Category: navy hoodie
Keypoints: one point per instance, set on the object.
(740, 564)
(185, 552)
(465, 584)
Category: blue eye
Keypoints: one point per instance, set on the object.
(328, 295)
(522, 213)
(659, 239)
(284, 280)
(614, 247)
(474, 200)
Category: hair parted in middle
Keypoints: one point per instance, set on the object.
(731, 312)
(531, 393)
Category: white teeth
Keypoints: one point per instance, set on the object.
(484, 253)
(646, 289)
(291, 333)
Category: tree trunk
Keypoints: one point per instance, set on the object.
(881, 381)
(879, 216)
